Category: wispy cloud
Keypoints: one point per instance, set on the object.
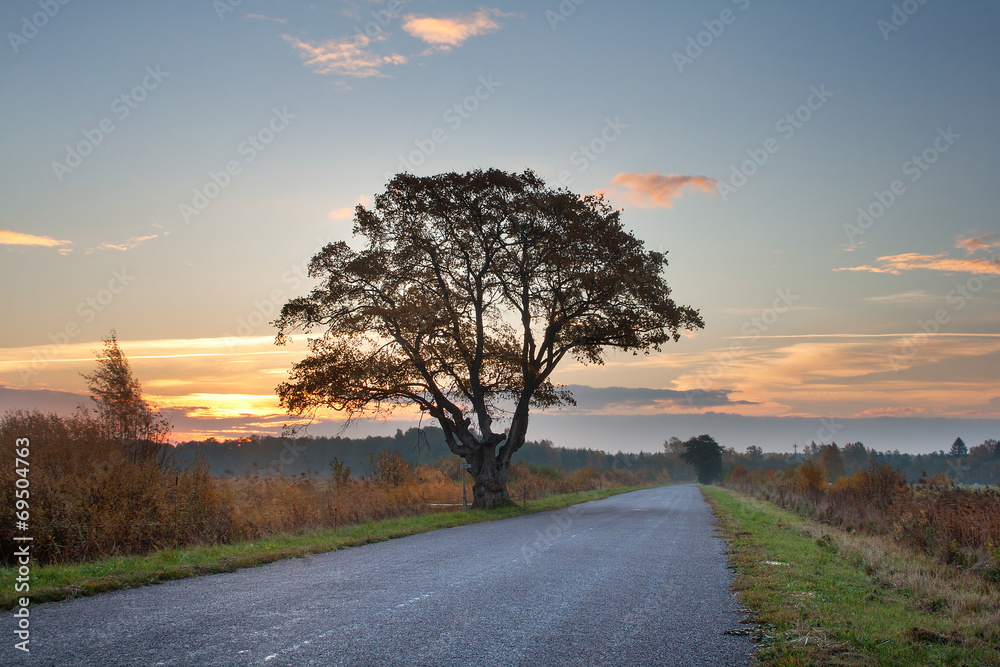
(655, 190)
(125, 245)
(913, 296)
(444, 33)
(942, 261)
(972, 244)
(904, 411)
(8, 237)
(261, 17)
(350, 56)
(896, 264)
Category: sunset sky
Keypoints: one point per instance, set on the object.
(823, 175)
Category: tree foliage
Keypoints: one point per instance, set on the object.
(705, 455)
(124, 415)
(467, 293)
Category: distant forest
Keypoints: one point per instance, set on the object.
(270, 455)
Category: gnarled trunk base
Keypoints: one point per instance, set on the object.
(490, 487)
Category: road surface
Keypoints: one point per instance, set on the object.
(635, 579)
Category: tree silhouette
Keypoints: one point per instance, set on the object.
(705, 455)
(468, 292)
(958, 448)
(124, 415)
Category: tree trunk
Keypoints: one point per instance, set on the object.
(490, 487)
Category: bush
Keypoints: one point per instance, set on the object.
(89, 497)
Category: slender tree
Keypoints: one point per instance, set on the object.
(124, 415)
(468, 292)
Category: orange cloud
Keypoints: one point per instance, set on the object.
(972, 244)
(7, 237)
(347, 212)
(655, 190)
(898, 412)
(896, 264)
(350, 56)
(444, 33)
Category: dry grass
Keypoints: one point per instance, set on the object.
(823, 596)
(957, 526)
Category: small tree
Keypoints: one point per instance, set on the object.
(340, 473)
(958, 448)
(705, 455)
(125, 416)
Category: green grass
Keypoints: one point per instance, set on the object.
(821, 596)
(60, 582)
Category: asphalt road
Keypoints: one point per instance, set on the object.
(636, 579)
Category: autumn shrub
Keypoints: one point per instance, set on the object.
(90, 496)
(390, 469)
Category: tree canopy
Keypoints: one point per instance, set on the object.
(468, 291)
(705, 455)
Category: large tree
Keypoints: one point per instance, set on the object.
(466, 293)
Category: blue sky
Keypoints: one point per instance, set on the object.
(668, 98)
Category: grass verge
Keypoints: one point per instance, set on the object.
(50, 583)
(822, 596)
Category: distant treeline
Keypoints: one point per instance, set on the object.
(979, 464)
(269, 455)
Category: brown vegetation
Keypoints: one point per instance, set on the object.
(959, 526)
(91, 496)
